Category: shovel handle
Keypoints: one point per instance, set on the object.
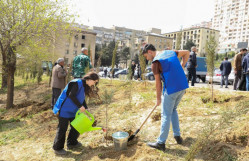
(147, 117)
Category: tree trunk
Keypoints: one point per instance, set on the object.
(4, 71)
(11, 68)
(4, 75)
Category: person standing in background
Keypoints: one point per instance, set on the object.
(191, 66)
(242, 82)
(238, 67)
(81, 63)
(225, 69)
(245, 67)
(58, 82)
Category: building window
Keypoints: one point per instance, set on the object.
(155, 40)
(67, 44)
(82, 45)
(75, 45)
(159, 46)
(75, 52)
(76, 37)
(67, 52)
(83, 37)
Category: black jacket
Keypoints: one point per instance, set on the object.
(72, 93)
(225, 67)
(192, 62)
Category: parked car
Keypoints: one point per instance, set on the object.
(47, 64)
(217, 77)
(109, 74)
(147, 71)
(120, 72)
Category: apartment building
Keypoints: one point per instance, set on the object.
(69, 44)
(159, 41)
(232, 19)
(198, 35)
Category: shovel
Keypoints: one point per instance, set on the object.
(133, 135)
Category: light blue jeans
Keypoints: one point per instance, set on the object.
(169, 114)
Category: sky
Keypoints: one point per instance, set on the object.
(167, 15)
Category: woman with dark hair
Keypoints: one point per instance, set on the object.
(70, 101)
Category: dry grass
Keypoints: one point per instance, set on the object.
(128, 104)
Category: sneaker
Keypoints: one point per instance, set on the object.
(156, 145)
(60, 152)
(178, 139)
(74, 146)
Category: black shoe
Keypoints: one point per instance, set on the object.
(156, 145)
(60, 152)
(226, 87)
(178, 139)
(74, 146)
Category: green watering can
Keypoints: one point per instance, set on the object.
(82, 123)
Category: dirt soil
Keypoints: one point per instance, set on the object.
(27, 131)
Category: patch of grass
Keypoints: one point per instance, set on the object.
(12, 136)
(215, 127)
(148, 96)
(47, 97)
(3, 110)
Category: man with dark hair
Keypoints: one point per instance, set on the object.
(242, 82)
(225, 69)
(168, 66)
(245, 67)
(133, 67)
(238, 68)
(191, 66)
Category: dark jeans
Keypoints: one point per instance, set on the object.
(55, 95)
(60, 137)
(242, 83)
(132, 74)
(224, 78)
(192, 75)
(237, 79)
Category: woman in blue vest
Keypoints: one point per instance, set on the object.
(70, 101)
(175, 83)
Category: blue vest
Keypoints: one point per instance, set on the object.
(172, 73)
(65, 105)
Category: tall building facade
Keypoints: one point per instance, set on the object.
(69, 44)
(198, 35)
(231, 18)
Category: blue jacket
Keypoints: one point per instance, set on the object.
(245, 64)
(225, 67)
(64, 105)
(173, 75)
